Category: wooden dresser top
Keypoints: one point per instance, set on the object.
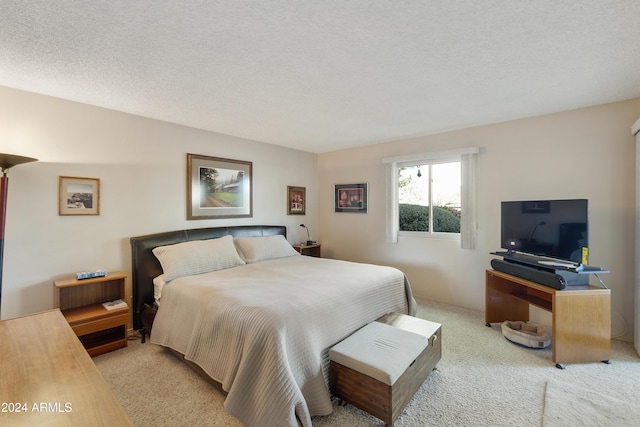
(48, 377)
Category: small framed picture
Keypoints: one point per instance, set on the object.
(218, 188)
(78, 196)
(351, 198)
(296, 199)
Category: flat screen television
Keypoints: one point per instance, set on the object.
(549, 228)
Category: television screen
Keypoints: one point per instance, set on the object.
(550, 228)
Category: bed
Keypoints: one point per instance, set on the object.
(257, 317)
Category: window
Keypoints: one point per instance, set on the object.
(429, 197)
(433, 195)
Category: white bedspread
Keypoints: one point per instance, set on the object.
(263, 330)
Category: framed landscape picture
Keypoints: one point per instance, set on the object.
(78, 196)
(351, 198)
(218, 188)
(296, 199)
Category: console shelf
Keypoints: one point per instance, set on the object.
(581, 315)
(533, 300)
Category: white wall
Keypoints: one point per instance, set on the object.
(141, 164)
(142, 167)
(635, 129)
(587, 153)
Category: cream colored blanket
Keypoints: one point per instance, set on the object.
(263, 330)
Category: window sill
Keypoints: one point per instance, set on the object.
(426, 235)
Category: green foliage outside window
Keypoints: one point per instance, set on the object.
(416, 218)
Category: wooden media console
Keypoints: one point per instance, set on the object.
(581, 315)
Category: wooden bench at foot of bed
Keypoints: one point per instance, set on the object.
(378, 369)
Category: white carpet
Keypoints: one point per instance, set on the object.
(482, 380)
(568, 405)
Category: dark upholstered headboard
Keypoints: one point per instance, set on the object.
(145, 266)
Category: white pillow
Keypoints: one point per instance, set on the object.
(253, 249)
(197, 257)
(158, 284)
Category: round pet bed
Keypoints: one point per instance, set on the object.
(526, 334)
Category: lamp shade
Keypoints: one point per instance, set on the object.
(10, 160)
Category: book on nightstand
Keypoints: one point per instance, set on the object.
(112, 305)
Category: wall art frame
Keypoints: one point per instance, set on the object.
(352, 198)
(218, 187)
(78, 196)
(296, 200)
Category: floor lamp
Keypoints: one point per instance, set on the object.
(7, 161)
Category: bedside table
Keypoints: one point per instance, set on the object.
(308, 250)
(80, 301)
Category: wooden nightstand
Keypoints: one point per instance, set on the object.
(99, 330)
(309, 250)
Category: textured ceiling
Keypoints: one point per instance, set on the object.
(325, 75)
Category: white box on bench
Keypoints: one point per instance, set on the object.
(378, 369)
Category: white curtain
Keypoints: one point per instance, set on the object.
(468, 224)
(393, 218)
